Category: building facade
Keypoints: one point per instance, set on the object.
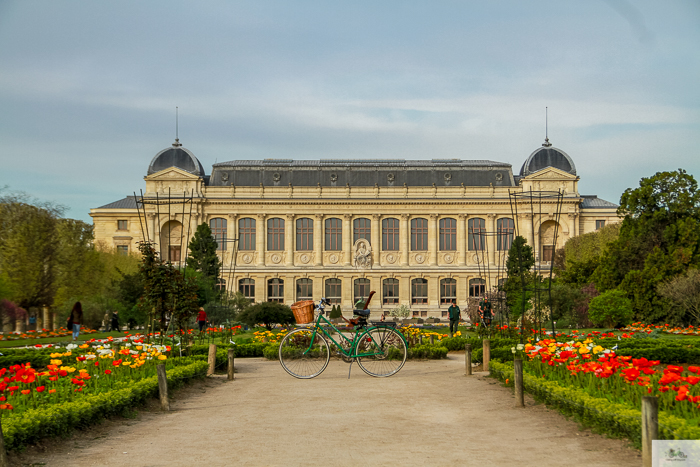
(420, 233)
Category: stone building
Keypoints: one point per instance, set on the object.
(419, 232)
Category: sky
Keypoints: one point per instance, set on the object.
(88, 90)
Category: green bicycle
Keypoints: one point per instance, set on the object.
(379, 349)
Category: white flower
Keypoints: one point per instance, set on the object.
(520, 346)
(512, 349)
(71, 346)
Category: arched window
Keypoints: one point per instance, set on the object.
(247, 288)
(390, 291)
(334, 234)
(361, 290)
(477, 287)
(333, 291)
(504, 229)
(419, 291)
(275, 290)
(305, 289)
(275, 234)
(218, 231)
(448, 234)
(305, 234)
(476, 234)
(419, 234)
(361, 228)
(246, 233)
(390, 234)
(448, 291)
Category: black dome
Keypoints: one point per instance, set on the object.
(547, 156)
(176, 156)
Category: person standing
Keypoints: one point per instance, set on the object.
(115, 321)
(76, 317)
(455, 316)
(485, 311)
(202, 318)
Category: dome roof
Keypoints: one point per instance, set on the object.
(176, 156)
(547, 156)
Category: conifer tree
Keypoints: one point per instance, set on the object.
(202, 255)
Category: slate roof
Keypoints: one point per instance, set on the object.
(126, 203)
(592, 201)
(176, 156)
(547, 156)
(362, 172)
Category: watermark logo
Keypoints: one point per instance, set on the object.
(684, 453)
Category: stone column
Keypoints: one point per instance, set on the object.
(404, 233)
(347, 240)
(54, 319)
(461, 240)
(491, 237)
(289, 241)
(260, 241)
(405, 290)
(152, 237)
(231, 236)
(432, 240)
(46, 311)
(318, 240)
(376, 242)
(260, 287)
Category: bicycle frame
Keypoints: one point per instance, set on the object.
(358, 333)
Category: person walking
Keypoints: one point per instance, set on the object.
(455, 316)
(76, 317)
(115, 321)
(202, 318)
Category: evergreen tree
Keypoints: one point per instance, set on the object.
(202, 252)
(518, 266)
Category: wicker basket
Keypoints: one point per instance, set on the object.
(303, 311)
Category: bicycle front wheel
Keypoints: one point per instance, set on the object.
(304, 353)
(381, 352)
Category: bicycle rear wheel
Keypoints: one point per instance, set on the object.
(383, 352)
(304, 354)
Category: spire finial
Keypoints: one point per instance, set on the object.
(176, 144)
(546, 143)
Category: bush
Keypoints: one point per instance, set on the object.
(665, 350)
(37, 358)
(611, 308)
(427, 351)
(267, 313)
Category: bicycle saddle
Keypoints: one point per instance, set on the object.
(363, 313)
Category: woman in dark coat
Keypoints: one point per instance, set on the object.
(76, 316)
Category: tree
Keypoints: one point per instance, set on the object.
(684, 290)
(659, 239)
(564, 298)
(519, 276)
(611, 308)
(202, 256)
(267, 314)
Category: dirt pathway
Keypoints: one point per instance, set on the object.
(427, 414)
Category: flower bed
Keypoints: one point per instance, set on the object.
(43, 334)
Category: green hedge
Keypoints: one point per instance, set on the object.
(59, 420)
(604, 416)
(665, 350)
(427, 351)
(38, 358)
(240, 350)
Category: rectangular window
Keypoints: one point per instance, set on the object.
(333, 291)
(547, 253)
(599, 225)
(448, 234)
(477, 287)
(122, 225)
(218, 231)
(305, 234)
(361, 290)
(419, 291)
(275, 290)
(476, 234)
(448, 291)
(174, 254)
(123, 250)
(390, 291)
(419, 234)
(334, 234)
(275, 234)
(246, 234)
(361, 228)
(247, 288)
(504, 238)
(390, 234)
(305, 289)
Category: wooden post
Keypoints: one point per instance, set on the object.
(420, 340)
(650, 427)
(212, 359)
(231, 377)
(519, 395)
(468, 358)
(487, 353)
(432, 340)
(163, 387)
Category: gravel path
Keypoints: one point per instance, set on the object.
(427, 414)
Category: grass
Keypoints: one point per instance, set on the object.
(53, 340)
